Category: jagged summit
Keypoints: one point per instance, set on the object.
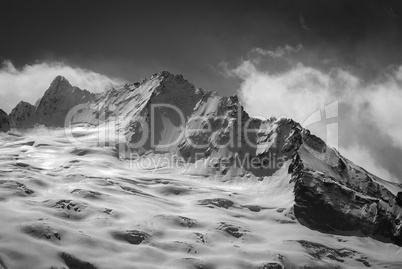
(59, 84)
(52, 107)
(162, 87)
(22, 103)
(166, 74)
(174, 83)
(59, 79)
(23, 115)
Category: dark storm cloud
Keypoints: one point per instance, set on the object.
(132, 39)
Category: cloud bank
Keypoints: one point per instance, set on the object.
(278, 52)
(31, 81)
(370, 127)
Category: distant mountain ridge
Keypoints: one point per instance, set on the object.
(52, 108)
(23, 115)
(331, 193)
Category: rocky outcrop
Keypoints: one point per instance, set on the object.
(4, 121)
(23, 115)
(341, 197)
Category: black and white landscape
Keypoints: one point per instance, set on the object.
(272, 141)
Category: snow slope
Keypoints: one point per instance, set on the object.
(236, 192)
(68, 207)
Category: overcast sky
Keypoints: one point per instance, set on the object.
(281, 57)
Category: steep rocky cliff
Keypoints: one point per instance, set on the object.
(4, 121)
(334, 195)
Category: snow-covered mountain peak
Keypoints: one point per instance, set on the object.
(59, 79)
(165, 116)
(52, 107)
(59, 83)
(172, 83)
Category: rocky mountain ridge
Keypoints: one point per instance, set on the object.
(331, 194)
(51, 109)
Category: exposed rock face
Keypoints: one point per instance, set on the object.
(58, 100)
(167, 114)
(334, 195)
(4, 121)
(23, 115)
(398, 198)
